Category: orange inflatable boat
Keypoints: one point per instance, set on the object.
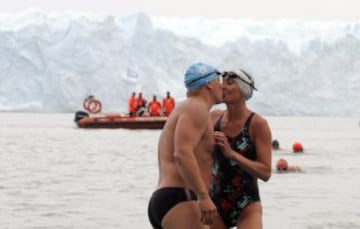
(84, 120)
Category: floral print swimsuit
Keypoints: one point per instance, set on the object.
(232, 188)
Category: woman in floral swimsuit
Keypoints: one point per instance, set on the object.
(242, 155)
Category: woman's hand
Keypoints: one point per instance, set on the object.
(222, 141)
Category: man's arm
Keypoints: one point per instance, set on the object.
(190, 128)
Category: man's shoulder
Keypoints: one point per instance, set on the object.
(197, 105)
(195, 109)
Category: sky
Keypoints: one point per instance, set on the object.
(213, 9)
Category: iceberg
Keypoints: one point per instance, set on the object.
(49, 62)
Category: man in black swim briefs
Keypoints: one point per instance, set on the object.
(164, 199)
(185, 159)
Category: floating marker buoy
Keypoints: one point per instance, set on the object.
(297, 147)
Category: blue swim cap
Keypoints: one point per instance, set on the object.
(199, 74)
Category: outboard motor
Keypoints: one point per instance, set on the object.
(80, 115)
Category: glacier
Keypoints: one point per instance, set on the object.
(49, 62)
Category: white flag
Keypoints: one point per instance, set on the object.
(131, 74)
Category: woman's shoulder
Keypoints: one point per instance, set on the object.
(215, 114)
(258, 120)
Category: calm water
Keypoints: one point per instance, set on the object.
(54, 175)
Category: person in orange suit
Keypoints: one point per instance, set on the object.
(141, 100)
(132, 104)
(141, 104)
(168, 104)
(154, 107)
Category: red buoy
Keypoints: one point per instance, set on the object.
(297, 147)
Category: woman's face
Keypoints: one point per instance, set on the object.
(231, 90)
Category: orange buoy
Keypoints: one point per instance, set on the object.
(297, 147)
(281, 164)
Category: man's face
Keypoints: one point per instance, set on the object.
(217, 90)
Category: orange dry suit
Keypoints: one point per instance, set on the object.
(168, 105)
(154, 108)
(132, 105)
